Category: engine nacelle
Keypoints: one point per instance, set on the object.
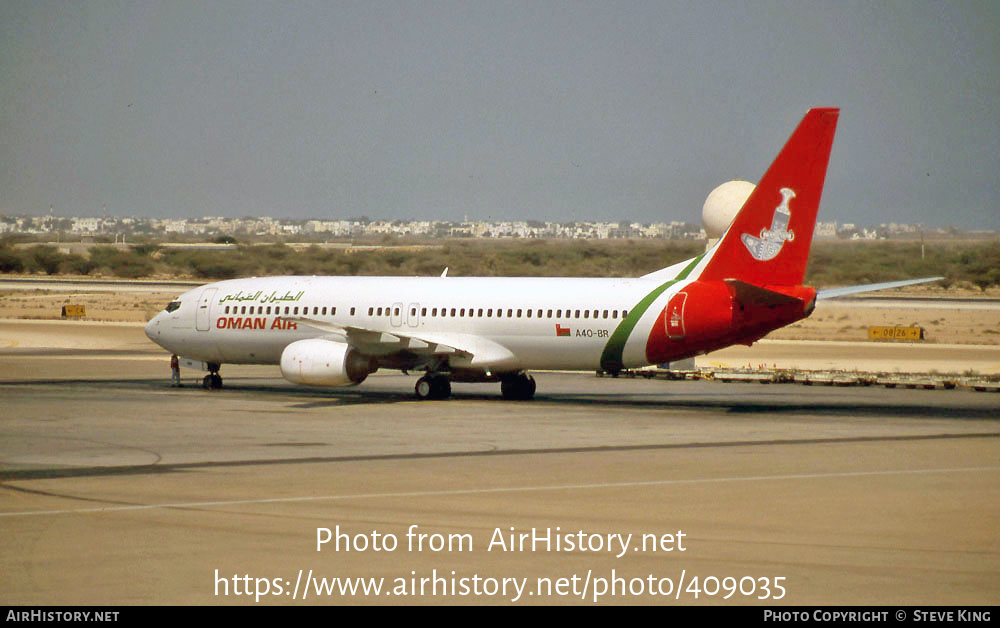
(318, 362)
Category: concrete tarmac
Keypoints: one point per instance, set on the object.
(118, 489)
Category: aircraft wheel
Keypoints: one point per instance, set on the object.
(212, 381)
(529, 387)
(424, 387)
(520, 387)
(440, 387)
(433, 387)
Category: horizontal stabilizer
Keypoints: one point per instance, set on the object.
(871, 287)
(749, 294)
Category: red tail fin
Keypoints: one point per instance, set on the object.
(768, 242)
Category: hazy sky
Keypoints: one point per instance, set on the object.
(496, 110)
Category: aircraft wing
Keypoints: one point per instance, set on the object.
(871, 287)
(462, 350)
(377, 342)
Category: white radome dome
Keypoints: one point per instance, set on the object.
(722, 205)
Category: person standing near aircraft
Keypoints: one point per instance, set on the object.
(175, 371)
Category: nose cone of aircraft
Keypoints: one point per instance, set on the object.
(153, 329)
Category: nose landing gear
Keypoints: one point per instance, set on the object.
(212, 381)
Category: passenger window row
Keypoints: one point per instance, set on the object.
(471, 312)
(435, 312)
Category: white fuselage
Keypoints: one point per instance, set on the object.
(507, 324)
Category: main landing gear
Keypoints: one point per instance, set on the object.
(433, 386)
(212, 381)
(514, 387)
(519, 387)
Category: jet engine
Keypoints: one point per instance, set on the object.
(319, 362)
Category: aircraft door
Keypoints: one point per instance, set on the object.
(203, 315)
(413, 314)
(396, 316)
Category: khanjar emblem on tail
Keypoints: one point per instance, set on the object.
(771, 240)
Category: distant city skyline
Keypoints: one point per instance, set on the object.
(78, 228)
(502, 111)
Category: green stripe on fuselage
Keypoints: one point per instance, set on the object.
(611, 358)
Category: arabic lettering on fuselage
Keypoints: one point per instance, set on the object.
(260, 297)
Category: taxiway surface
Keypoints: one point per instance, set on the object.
(118, 489)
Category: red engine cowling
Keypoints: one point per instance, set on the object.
(319, 362)
(698, 316)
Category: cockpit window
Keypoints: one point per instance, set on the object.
(173, 305)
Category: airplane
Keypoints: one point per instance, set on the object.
(335, 331)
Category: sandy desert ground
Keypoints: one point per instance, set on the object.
(840, 320)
